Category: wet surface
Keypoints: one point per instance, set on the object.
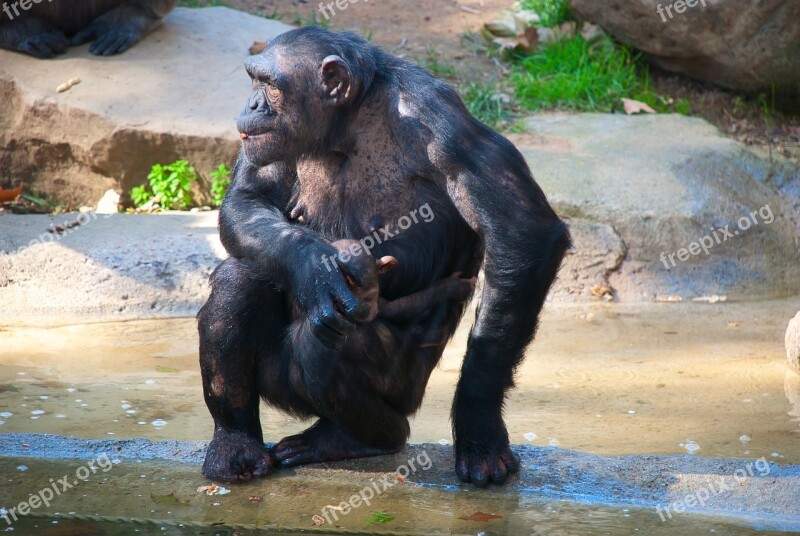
(605, 378)
(124, 497)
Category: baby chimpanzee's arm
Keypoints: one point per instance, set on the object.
(418, 304)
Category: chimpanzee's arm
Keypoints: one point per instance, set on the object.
(254, 229)
(418, 304)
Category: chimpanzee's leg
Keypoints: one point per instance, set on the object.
(241, 318)
(344, 389)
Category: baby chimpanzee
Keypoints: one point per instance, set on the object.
(417, 304)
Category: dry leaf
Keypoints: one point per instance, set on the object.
(10, 195)
(480, 516)
(258, 47)
(601, 290)
(208, 490)
(58, 229)
(318, 520)
(591, 32)
(634, 107)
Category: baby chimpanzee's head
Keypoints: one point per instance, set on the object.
(362, 271)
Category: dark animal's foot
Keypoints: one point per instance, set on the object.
(235, 456)
(45, 45)
(323, 442)
(484, 462)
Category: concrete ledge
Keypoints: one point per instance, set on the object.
(762, 493)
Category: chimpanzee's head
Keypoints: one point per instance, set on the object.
(304, 85)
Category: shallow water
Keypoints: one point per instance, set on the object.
(159, 498)
(603, 378)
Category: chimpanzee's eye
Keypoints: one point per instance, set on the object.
(273, 92)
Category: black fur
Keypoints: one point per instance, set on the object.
(50, 27)
(363, 379)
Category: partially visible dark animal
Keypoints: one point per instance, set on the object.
(46, 28)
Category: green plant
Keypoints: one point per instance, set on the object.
(575, 74)
(551, 12)
(170, 186)
(310, 19)
(486, 103)
(380, 518)
(220, 180)
(435, 67)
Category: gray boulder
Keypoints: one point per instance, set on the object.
(664, 205)
(739, 44)
(174, 96)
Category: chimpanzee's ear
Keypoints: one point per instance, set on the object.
(337, 81)
(384, 264)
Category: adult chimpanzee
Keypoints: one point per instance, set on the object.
(45, 28)
(339, 138)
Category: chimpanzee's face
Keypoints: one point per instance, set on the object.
(275, 124)
(295, 95)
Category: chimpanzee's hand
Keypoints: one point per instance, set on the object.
(322, 291)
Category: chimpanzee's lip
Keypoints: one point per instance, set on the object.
(254, 133)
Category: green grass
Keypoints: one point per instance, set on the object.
(485, 103)
(574, 74)
(551, 12)
(220, 180)
(379, 518)
(432, 64)
(312, 18)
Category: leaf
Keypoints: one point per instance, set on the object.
(380, 518)
(258, 47)
(634, 107)
(9, 195)
(481, 516)
(168, 499)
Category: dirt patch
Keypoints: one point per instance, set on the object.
(445, 33)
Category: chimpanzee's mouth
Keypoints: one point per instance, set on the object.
(255, 133)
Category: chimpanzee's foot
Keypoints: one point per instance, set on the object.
(323, 442)
(236, 456)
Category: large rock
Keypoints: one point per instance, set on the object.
(738, 44)
(173, 96)
(639, 189)
(793, 343)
